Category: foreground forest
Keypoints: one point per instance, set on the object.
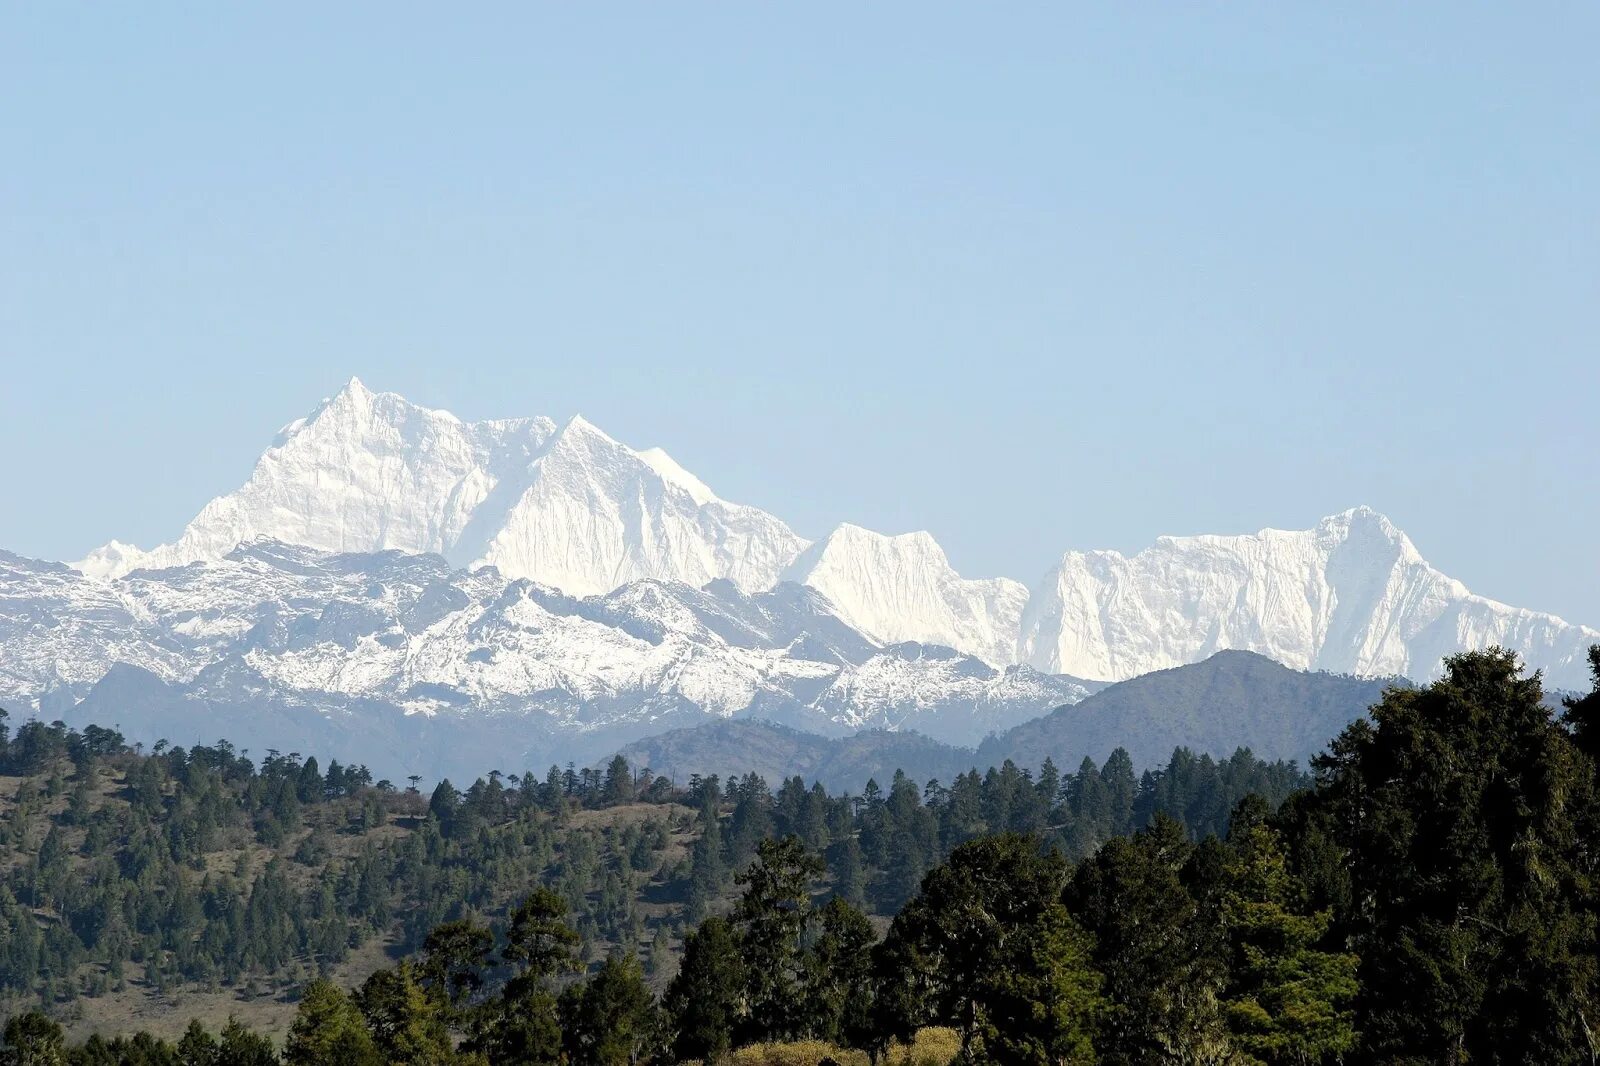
(1429, 896)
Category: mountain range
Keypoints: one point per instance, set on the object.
(569, 507)
(392, 578)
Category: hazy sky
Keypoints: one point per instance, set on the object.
(1031, 278)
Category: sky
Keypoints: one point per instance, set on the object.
(1029, 277)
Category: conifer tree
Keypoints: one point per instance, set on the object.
(406, 1024)
(1462, 807)
(838, 986)
(329, 1030)
(997, 957)
(32, 1039)
(1287, 1002)
(705, 1000)
(771, 920)
(611, 1019)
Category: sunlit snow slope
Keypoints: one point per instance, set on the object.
(1350, 596)
(566, 506)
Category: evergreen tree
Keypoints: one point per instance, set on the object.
(1161, 983)
(406, 1024)
(618, 786)
(1583, 712)
(1461, 806)
(522, 1026)
(838, 989)
(771, 920)
(998, 956)
(454, 955)
(1287, 1002)
(197, 1047)
(32, 1039)
(705, 1000)
(239, 1046)
(328, 1030)
(611, 1019)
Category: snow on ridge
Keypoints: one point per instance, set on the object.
(414, 633)
(1351, 595)
(569, 507)
(368, 471)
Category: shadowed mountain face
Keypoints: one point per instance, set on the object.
(1232, 700)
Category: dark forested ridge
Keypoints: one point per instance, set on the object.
(1429, 896)
(1233, 699)
(153, 879)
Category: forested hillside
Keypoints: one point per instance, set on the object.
(1429, 897)
(144, 885)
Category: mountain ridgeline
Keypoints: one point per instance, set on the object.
(1231, 700)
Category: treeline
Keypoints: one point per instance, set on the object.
(1432, 898)
(124, 871)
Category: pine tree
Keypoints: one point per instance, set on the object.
(328, 1030)
(838, 988)
(32, 1039)
(705, 999)
(771, 920)
(198, 1047)
(406, 1024)
(1461, 807)
(1287, 1002)
(522, 1026)
(1161, 983)
(610, 1019)
(239, 1046)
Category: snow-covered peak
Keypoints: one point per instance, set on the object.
(903, 588)
(569, 506)
(665, 465)
(1350, 595)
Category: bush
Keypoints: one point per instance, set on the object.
(932, 1047)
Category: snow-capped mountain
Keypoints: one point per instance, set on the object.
(592, 587)
(566, 506)
(286, 642)
(1352, 596)
(904, 589)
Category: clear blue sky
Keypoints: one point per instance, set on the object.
(1029, 277)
